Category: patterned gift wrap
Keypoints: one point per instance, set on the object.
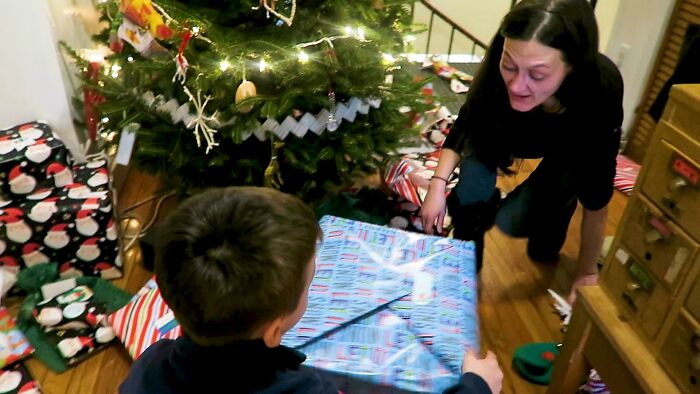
(73, 226)
(75, 323)
(390, 307)
(144, 321)
(626, 172)
(13, 345)
(16, 379)
(31, 158)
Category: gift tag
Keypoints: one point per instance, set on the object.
(126, 145)
(51, 290)
(166, 323)
(422, 287)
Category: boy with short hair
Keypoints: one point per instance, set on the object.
(235, 266)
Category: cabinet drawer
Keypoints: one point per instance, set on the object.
(664, 249)
(692, 303)
(673, 179)
(638, 294)
(680, 353)
(682, 110)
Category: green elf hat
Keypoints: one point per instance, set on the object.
(535, 361)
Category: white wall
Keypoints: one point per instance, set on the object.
(479, 17)
(605, 13)
(634, 42)
(73, 21)
(31, 84)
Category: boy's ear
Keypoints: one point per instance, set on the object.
(272, 333)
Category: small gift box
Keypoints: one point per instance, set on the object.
(144, 321)
(13, 345)
(74, 323)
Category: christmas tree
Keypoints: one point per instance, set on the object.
(303, 95)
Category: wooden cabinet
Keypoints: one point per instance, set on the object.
(651, 278)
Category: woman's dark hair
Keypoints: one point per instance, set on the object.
(566, 25)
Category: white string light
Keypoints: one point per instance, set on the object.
(350, 33)
(263, 65)
(388, 59)
(115, 70)
(303, 57)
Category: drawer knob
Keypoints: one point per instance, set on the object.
(652, 236)
(677, 183)
(671, 204)
(695, 362)
(632, 286)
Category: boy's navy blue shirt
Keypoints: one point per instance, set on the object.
(182, 366)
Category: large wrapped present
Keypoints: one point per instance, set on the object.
(389, 307)
(144, 321)
(73, 225)
(31, 158)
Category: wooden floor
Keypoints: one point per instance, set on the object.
(514, 307)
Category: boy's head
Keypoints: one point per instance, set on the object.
(236, 263)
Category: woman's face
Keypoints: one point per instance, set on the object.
(532, 73)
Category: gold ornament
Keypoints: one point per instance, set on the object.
(273, 177)
(245, 90)
(378, 4)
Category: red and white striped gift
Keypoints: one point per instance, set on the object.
(144, 321)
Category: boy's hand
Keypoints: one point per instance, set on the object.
(487, 368)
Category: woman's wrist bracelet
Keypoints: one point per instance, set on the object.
(440, 178)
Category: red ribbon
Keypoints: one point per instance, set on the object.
(91, 99)
(181, 51)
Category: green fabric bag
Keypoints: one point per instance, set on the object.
(31, 280)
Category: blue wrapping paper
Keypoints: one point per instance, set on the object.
(389, 307)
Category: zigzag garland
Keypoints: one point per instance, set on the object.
(316, 124)
(290, 125)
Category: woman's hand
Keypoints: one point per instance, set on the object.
(433, 210)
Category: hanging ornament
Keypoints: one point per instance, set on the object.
(245, 90)
(271, 5)
(181, 63)
(378, 4)
(116, 44)
(142, 13)
(142, 40)
(273, 177)
(332, 120)
(91, 98)
(200, 121)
